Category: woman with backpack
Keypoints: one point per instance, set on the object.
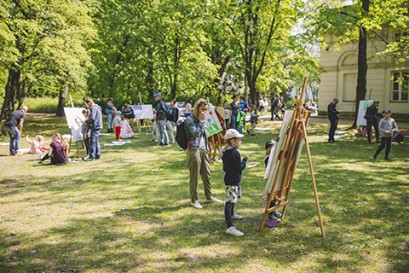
(197, 153)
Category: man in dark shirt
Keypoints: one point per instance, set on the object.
(235, 107)
(94, 122)
(372, 120)
(333, 116)
(14, 127)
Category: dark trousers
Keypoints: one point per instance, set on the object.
(369, 124)
(274, 113)
(332, 129)
(228, 213)
(86, 143)
(385, 141)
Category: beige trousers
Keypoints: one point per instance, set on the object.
(198, 164)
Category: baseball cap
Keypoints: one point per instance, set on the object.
(232, 133)
(158, 95)
(387, 111)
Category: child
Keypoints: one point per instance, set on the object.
(388, 127)
(82, 122)
(36, 147)
(273, 216)
(117, 123)
(253, 117)
(126, 129)
(227, 113)
(233, 167)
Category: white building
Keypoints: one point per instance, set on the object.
(339, 78)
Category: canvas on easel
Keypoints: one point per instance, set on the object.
(284, 159)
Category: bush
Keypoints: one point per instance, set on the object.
(41, 105)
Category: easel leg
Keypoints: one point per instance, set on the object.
(317, 202)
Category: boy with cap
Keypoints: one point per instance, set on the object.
(388, 127)
(232, 167)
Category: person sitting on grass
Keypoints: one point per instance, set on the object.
(36, 147)
(388, 127)
(58, 150)
(232, 167)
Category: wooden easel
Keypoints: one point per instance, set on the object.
(296, 135)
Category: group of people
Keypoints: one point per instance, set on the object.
(387, 126)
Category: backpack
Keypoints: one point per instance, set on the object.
(181, 134)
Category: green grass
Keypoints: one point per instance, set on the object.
(130, 211)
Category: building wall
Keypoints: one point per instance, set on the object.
(339, 78)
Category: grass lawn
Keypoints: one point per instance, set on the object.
(130, 211)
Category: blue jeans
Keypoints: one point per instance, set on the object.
(109, 121)
(233, 121)
(15, 137)
(164, 139)
(95, 148)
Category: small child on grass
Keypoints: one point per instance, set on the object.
(36, 147)
(117, 122)
(388, 127)
(233, 167)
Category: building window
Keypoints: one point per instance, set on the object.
(400, 85)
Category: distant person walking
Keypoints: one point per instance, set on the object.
(333, 116)
(197, 153)
(95, 126)
(14, 127)
(388, 127)
(372, 120)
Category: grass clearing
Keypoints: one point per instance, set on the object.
(130, 211)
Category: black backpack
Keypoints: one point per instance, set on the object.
(181, 134)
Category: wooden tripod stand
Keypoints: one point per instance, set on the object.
(281, 186)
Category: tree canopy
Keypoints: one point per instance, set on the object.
(132, 49)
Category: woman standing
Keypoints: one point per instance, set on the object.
(197, 154)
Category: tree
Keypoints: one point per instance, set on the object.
(260, 29)
(359, 22)
(42, 40)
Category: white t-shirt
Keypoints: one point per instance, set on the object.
(117, 121)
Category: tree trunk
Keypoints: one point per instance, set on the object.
(149, 75)
(62, 99)
(362, 62)
(21, 93)
(11, 90)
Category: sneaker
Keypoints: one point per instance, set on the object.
(197, 205)
(234, 231)
(237, 217)
(386, 158)
(277, 214)
(374, 157)
(214, 200)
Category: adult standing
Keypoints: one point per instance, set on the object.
(95, 125)
(197, 154)
(372, 120)
(235, 108)
(172, 117)
(14, 127)
(333, 116)
(128, 113)
(108, 111)
(161, 110)
(188, 108)
(274, 107)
